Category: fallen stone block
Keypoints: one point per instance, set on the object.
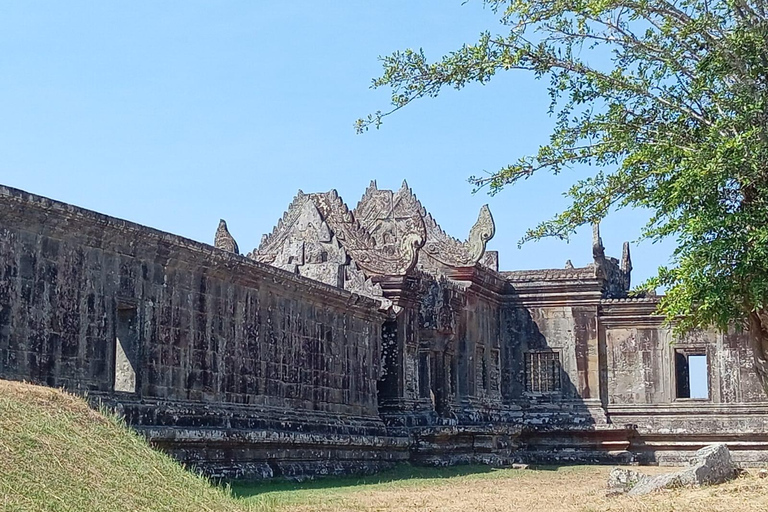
(621, 480)
(710, 466)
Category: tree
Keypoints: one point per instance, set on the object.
(668, 100)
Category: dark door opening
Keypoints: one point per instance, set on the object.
(441, 370)
(390, 355)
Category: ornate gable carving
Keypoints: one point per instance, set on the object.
(308, 241)
(272, 243)
(390, 216)
(395, 257)
(321, 238)
(385, 214)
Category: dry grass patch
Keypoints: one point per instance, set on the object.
(567, 489)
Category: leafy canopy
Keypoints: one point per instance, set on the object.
(668, 100)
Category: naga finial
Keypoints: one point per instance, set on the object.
(481, 232)
(626, 265)
(224, 240)
(598, 250)
(626, 259)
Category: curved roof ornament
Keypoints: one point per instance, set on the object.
(382, 234)
(451, 252)
(224, 240)
(388, 232)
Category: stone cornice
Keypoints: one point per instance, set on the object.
(551, 274)
(689, 408)
(556, 293)
(401, 290)
(481, 280)
(635, 312)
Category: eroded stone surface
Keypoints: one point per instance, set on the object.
(710, 465)
(622, 480)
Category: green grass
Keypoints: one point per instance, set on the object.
(282, 493)
(57, 454)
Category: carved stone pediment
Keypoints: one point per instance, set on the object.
(386, 214)
(395, 257)
(321, 238)
(391, 216)
(272, 243)
(311, 240)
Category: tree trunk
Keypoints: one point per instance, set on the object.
(758, 336)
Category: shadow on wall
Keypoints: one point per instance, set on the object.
(398, 474)
(560, 424)
(539, 369)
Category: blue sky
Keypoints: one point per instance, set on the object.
(174, 114)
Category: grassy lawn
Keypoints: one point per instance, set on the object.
(56, 454)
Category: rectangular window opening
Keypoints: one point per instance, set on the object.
(542, 372)
(126, 349)
(691, 373)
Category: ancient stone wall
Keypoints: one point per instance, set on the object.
(648, 386)
(553, 362)
(568, 332)
(641, 358)
(179, 334)
(267, 365)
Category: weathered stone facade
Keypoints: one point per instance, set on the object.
(351, 339)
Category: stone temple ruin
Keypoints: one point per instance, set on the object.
(352, 339)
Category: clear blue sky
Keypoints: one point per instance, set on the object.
(173, 114)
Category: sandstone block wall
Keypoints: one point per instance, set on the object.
(181, 335)
(641, 366)
(192, 322)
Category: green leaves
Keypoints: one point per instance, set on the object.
(668, 99)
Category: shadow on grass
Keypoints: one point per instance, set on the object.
(401, 473)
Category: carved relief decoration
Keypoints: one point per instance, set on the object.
(271, 244)
(321, 238)
(308, 241)
(451, 252)
(382, 212)
(441, 300)
(391, 217)
(398, 251)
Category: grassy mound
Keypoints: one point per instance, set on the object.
(57, 454)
